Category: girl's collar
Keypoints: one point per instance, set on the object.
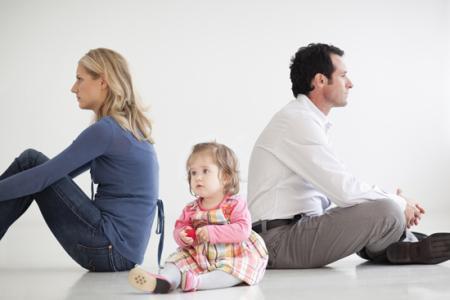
(199, 203)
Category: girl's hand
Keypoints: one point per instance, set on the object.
(183, 236)
(202, 234)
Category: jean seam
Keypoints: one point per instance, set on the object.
(63, 197)
(111, 258)
(106, 252)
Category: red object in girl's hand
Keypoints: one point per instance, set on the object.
(190, 233)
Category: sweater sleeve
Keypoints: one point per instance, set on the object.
(80, 170)
(182, 222)
(239, 228)
(91, 143)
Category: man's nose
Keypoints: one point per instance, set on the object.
(349, 84)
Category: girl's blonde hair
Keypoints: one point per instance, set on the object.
(121, 103)
(226, 161)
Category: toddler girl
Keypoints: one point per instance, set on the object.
(217, 247)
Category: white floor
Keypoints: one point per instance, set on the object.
(32, 266)
(350, 278)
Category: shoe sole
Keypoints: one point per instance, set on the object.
(432, 250)
(141, 280)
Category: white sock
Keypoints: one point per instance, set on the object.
(172, 273)
(409, 237)
(217, 279)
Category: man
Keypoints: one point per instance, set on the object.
(294, 177)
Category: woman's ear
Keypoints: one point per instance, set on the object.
(103, 83)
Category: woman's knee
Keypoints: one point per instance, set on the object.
(30, 153)
(32, 157)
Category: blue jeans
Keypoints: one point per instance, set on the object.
(71, 216)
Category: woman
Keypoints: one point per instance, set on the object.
(111, 232)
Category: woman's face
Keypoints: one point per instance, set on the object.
(90, 92)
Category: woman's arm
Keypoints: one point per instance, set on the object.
(80, 170)
(91, 143)
(239, 228)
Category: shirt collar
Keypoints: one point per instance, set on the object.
(321, 117)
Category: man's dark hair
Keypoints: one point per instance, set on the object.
(307, 62)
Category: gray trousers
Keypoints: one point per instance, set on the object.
(317, 241)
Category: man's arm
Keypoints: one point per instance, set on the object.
(306, 151)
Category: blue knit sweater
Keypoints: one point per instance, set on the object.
(126, 171)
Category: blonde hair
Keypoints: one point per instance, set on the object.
(226, 161)
(121, 102)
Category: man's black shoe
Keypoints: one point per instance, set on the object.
(433, 249)
(420, 236)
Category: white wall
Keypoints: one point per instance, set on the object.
(219, 70)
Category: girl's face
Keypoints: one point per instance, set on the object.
(90, 92)
(206, 180)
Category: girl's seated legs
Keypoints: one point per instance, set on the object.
(171, 278)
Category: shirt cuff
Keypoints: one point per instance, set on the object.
(401, 202)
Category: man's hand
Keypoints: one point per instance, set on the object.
(413, 210)
(183, 236)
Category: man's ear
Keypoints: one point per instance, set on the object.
(319, 80)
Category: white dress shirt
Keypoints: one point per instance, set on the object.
(293, 168)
